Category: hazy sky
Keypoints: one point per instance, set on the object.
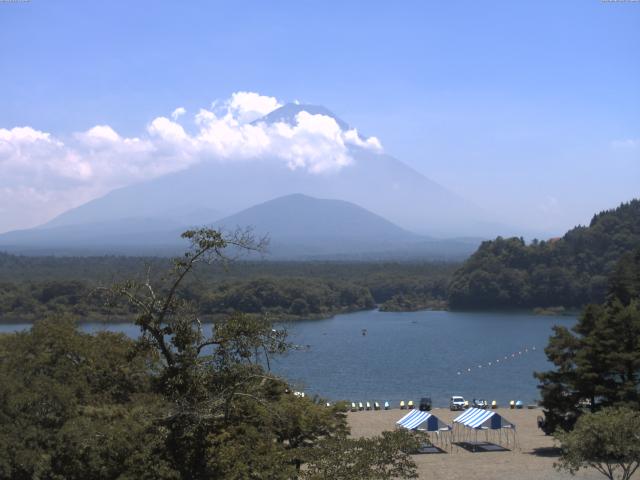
(529, 109)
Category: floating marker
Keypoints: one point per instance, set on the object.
(497, 361)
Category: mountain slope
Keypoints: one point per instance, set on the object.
(131, 236)
(299, 227)
(300, 217)
(377, 182)
(570, 271)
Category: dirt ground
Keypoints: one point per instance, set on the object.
(532, 458)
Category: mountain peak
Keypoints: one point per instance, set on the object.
(287, 114)
(302, 217)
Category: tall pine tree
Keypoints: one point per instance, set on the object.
(598, 360)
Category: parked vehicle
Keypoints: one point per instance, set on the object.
(480, 403)
(456, 403)
(425, 404)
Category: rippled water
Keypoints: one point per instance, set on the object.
(409, 355)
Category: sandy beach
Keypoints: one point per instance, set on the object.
(532, 459)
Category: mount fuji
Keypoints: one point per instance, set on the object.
(145, 213)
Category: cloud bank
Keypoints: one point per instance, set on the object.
(43, 175)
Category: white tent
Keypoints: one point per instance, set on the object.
(491, 423)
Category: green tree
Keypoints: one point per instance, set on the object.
(228, 416)
(597, 362)
(74, 405)
(608, 441)
(568, 271)
(384, 457)
(185, 401)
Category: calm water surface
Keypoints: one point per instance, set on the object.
(409, 355)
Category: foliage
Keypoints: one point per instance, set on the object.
(384, 457)
(33, 287)
(608, 441)
(182, 402)
(597, 361)
(74, 405)
(570, 271)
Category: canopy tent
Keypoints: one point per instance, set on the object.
(488, 421)
(425, 422)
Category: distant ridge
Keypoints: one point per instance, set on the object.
(306, 228)
(299, 227)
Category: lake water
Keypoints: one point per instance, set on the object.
(409, 355)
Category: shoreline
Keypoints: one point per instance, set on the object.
(210, 318)
(532, 459)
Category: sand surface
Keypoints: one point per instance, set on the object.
(533, 457)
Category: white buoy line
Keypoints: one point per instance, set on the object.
(498, 361)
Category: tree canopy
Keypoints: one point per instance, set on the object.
(597, 362)
(570, 271)
(607, 441)
(181, 402)
(33, 287)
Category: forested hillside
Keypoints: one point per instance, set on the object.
(570, 271)
(34, 287)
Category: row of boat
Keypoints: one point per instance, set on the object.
(410, 405)
(355, 407)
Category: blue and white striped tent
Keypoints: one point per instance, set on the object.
(482, 419)
(425, 421)
(477, 420)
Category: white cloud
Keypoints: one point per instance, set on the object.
(101, 134)
(178, 112)
(164, 128)
(249, 106)
(43, 174)
(354, 138)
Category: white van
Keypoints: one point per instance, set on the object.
(456, 403)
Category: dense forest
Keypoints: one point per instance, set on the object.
(176, 403)
(570, 271)
(504, 273)
(32, 287)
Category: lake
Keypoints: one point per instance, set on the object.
(407, 355)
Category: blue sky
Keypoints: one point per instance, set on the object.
(529, 109)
